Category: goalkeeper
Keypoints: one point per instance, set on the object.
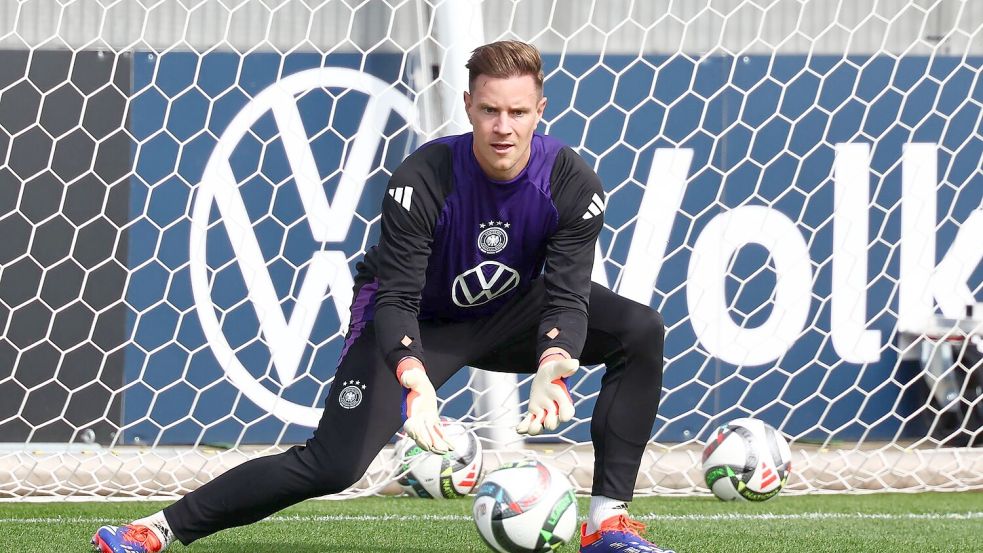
(484, 259)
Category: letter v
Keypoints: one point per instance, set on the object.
(286, 340)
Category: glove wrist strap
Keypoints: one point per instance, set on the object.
(555, 356)
(407, 363)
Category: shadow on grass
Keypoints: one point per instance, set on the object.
(266, 547)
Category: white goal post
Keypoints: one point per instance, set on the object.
(186, 186)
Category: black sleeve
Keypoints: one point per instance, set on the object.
(413, 201)
(579, 199)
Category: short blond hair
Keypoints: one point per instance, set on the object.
(505, 59)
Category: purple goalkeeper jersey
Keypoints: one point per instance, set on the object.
(489, 241)
(458, 245)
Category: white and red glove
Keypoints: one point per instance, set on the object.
(420, 403)
(549, 400)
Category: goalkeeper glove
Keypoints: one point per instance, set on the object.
(549, 400)
(420, 407)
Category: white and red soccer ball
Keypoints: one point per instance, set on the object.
(447, 476)
(746, 460)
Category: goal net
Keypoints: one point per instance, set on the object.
(186, 186)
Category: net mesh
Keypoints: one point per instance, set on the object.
(186, 187)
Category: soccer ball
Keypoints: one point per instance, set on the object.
(525, 506)
(747, 460)
(453, 474)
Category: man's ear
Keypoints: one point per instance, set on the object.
(540, 109)
(467, 105)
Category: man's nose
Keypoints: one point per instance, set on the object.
(503, 125)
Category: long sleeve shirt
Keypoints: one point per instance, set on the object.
(457, 245)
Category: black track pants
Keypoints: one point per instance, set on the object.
(625, 335)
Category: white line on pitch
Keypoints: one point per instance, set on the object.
(647, 517)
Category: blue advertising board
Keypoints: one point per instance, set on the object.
(229, 217)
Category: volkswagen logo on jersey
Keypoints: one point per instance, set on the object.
(483, 283)
(494, 238)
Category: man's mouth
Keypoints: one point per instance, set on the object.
(501, 147)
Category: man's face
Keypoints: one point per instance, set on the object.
(504, 114)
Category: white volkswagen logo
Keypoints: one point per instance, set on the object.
(483, 283)
(328, 222)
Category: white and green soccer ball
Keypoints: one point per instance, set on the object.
(526, 506)
(454, 474)
(746, 460)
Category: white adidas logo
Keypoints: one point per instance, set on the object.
(402, 195)
(595, 208)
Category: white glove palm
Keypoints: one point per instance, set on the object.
(422, 421)
(549, 400)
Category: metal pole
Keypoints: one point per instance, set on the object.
(459, 30)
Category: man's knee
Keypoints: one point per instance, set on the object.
(645, 331)
(330, 477)
(334, 480)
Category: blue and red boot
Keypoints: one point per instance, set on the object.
(618, 533)
(132, 538)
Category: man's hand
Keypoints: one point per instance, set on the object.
(549, 400)
(420, 407)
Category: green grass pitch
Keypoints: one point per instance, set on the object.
(882, 523)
